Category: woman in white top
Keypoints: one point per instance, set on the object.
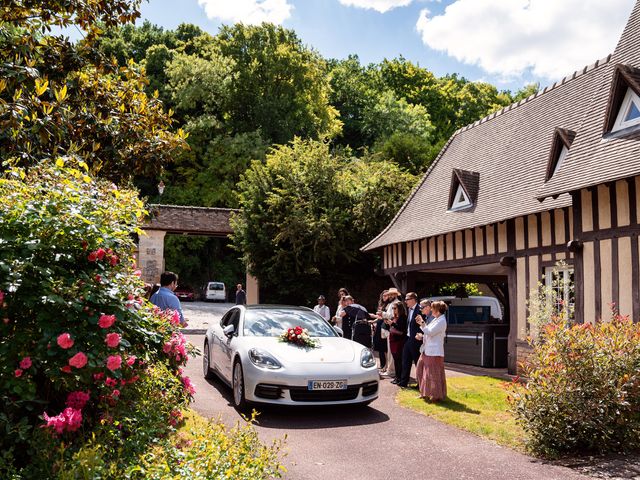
(432, 382)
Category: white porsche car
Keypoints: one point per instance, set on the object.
(245, 351)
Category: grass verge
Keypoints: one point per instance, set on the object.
(475, 404)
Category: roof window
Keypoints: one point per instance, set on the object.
(623, 109)
(562, 140)
(629, 113)
(464, 189)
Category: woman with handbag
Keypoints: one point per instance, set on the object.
(397, 336)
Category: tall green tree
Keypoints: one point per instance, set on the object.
(305, 212)
(280, 86)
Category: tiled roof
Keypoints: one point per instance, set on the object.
(593, 159)
(510, 151)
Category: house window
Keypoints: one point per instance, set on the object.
(461, 200)
(629, 113)
(561, 288)
(563, 154)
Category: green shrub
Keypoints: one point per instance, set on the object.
(204, 449)
(583, 388)
(80, 347)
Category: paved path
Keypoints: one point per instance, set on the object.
(381, 441)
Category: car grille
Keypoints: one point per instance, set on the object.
(302, 394)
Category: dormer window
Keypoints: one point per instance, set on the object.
(562, 140)
(461, 199)
(629, 113)
(623, 110)
(464, 189)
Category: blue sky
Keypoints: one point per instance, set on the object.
(507, 42)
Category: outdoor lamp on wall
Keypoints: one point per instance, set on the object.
(574, 246)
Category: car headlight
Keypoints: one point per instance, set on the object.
(367, 360)
(262, 359)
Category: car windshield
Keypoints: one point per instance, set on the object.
(272, 322)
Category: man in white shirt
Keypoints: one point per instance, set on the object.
(321, 309)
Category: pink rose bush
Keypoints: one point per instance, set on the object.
(86, 346)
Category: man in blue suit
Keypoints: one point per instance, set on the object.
(411, 350)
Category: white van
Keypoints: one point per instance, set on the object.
(495, 310)
(215, 292)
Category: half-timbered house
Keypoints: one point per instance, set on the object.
(553, 177)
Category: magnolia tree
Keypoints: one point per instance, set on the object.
(77, 338)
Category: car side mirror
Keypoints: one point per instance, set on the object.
(229, 330)
(339, 330)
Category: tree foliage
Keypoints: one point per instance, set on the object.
(59, 98)
(305, 212)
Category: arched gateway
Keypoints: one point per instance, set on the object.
(163, 219)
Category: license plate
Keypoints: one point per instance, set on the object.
(327, 385)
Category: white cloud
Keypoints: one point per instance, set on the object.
(547, 38)
(381, 6)
(247, 11)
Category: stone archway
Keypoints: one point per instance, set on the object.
(163, 219)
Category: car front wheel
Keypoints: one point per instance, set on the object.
(206, 366)
(239, 401)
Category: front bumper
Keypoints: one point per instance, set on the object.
(287, 388)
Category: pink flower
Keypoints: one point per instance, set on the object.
(106, 321)
(115, 393)
(113, 260)
(114, 362)
(25, 364)
(1, 297)
(131, 360)
(18, 373)
(79, 360)
(100, 253)
(112, 340)
(98, 376)
(69, 420)
(110, 382)
(188, 386)
(65, 341)
(138, 273)
(92, 257)
(66, 369)
(77, 400)
(175, 318)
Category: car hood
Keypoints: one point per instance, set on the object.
(330, 350)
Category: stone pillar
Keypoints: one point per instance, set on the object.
(252, 289)
(151, 255)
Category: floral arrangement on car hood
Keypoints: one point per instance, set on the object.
(298, 336)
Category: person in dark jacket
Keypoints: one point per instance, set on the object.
(397, 337)
(356, 320)
(241, 296)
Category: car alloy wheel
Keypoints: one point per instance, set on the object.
(206, 367)
(238, 387)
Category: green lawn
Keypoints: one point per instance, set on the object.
(476, 404)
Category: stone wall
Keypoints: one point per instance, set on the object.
(213, 222)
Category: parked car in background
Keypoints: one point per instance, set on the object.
(215, 292)
(185, 293)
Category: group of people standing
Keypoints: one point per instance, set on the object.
(402, 333)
